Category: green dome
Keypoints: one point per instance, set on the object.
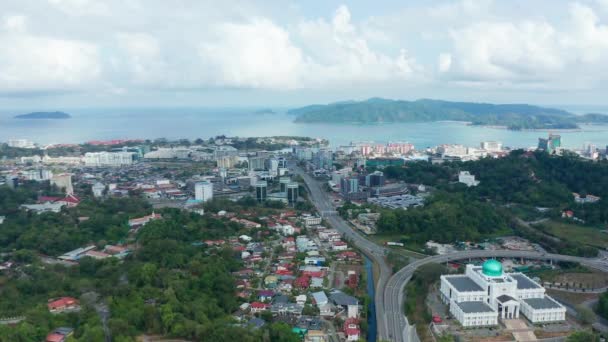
(492, 268)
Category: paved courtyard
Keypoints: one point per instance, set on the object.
(520, 330)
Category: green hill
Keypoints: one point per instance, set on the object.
(377, 110)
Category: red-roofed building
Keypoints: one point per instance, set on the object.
(351, 329)
(302, 282)
(353, 280)
(70, 201)
(142, 221)
(314, 274)
(339, 246)
(63, 304)
(54, 337)
(259, 307)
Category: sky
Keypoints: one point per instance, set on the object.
(144, 53)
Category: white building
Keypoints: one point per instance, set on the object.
(484, 294)
(310, 220)
(21, 143)
(98, 189)
(491, 146)
(466, 178)
(108, 158)
(203, 191)
(63, 181)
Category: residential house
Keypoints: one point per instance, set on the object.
(59, 335)
(259, 307)
(142, 221)
(63, 304)
(351, 329)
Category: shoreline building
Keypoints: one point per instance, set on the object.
(484, 294)
(551, 144)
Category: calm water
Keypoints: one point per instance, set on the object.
(204, 123)
(372, 327)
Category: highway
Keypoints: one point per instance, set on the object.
(373, 251)
(398, 326)
(391, 321)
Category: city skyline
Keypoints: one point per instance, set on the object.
(80, 53)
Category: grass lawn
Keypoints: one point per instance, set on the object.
(576, 233)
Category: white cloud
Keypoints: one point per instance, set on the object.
(15, 23)
(258, 54)
(445, 62)
(122, 46)
(339, 52)
(38, 64)
(262, 54)
(533, 52)
(81, 7)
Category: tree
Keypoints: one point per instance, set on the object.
(585, 315)
(582, 336)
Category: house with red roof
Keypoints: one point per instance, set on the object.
(259, 307)
(351, 329)
(70, 201)
(63, 304)
(142, 221)
(59, 335)
(302, 282)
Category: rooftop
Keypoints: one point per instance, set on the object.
(474, 307)
(464, 284)
(542, 303)
(523, 282)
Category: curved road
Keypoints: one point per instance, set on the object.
(397, 325)
(391, 321)
(372, 250)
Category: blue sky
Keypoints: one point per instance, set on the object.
(112, 53)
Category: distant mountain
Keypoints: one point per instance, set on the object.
(377, 110)
(44, 115)
(592, 118)
(265, 111)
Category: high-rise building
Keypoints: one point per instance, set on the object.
(292, 192)
(272, 165)
(108, 158)
(349, 185)
(550, 144)
(261, 191)
(283, 183)
(63, 181)
(491, 146)
(203, 191)
(227, 162)
(375, 179)
(37, 174)
(256, 163)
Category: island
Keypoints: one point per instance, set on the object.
(378, 110)
(265, 111)
(44, 115)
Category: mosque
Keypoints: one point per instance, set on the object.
(485, 294)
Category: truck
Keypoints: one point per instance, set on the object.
(390, 243)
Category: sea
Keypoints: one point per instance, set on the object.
(192, 123)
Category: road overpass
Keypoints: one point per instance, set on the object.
(398, 328)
